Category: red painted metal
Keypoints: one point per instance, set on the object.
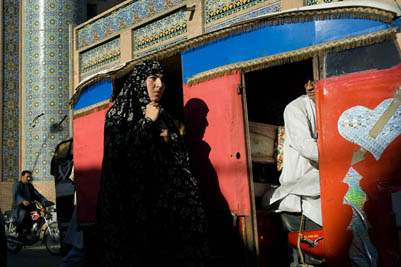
(88, 155)
(334, 96)
(215, 126)
(316, 251)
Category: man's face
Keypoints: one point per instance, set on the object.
(26, 178)
(310, 89)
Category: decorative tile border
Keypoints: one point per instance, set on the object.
(161, 47)
(107, 67)
(275, 7)
(100, 55)
(10, 119)
(161, 30)
(218, 9)
(316, 2)
(122, 18)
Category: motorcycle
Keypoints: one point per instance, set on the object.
(44, 228)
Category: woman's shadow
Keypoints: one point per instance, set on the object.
(223, 236)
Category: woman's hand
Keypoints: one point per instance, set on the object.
(152, 111)
(164, 131)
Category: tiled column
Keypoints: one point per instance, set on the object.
(45, 81)
(10, 90)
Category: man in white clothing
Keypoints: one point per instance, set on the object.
(299, 189)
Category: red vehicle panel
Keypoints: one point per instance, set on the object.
(359, 168)
(225, 137)
(88, 156)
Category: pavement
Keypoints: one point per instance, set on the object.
(33, 256)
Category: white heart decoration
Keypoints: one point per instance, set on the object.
(355, 124)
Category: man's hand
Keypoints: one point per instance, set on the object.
(47, 203)
(26, 202)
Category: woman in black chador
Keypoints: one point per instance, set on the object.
(148, 210)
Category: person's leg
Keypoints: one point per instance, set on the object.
(26, 222)
(74, 258)
(23, 224)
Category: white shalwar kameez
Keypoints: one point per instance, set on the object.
(299, 189)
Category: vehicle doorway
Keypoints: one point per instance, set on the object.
(267, 93)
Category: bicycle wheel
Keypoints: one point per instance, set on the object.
(52, 239)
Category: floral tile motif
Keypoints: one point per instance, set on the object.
(100, 55)
(45, 91)
(122, 18)
(163, 29)
(217, 9)
(10, 119)
(316, 2)
(275, 7)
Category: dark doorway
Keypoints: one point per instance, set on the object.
(268, 92)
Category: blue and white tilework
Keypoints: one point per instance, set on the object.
(45, 79)
(10, 119)
(275, 7)
(100, 55)
(122, 18)
(161, 30)
(218, 9)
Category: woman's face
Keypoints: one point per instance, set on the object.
(155, 86)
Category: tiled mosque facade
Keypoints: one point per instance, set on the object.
(35, 87)
(45, 80)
